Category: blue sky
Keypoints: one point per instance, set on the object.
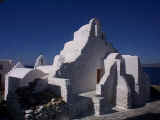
(31, 27)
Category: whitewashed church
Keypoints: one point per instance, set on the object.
(88, 72)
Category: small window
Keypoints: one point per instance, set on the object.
(1, 67)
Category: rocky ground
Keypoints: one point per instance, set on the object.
(44, 105)
(54, 109)
(30, 105)
(150, 112)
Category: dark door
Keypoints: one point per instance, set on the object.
(0, 80)
(98, 75)
(1, 83)
(2, 88)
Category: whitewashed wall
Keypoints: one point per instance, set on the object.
(20, 77)
(6, 67)
(81, 57)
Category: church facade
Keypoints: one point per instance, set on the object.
(90, 73)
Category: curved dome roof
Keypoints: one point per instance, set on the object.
(19, 72)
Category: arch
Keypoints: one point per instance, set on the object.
(38, 84)
(27, 75)
(32, 76)
(108, 82)
(21, 77)
(108, 64)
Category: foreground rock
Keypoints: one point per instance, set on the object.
(30, 105)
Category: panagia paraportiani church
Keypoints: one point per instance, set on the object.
(88, 73)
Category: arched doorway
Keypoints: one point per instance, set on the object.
(1, 86)
(0, 81)
(100, 73)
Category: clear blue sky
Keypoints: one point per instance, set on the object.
(31, 27)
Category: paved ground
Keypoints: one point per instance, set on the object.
(150, 112)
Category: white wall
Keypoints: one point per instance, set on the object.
(14, 82)
(108, 83)
(33, 75)
(7, 65)
(64, 85)
(81, 57)
(132, 66)
(135, 83)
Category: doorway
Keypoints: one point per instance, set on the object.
(99, 75)
(1, 86)
(0, 81)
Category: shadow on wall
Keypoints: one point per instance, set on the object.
(131, 89)
(155, 94)
(83, 108)
(55, 89)
(133, 96)
(111, 84)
